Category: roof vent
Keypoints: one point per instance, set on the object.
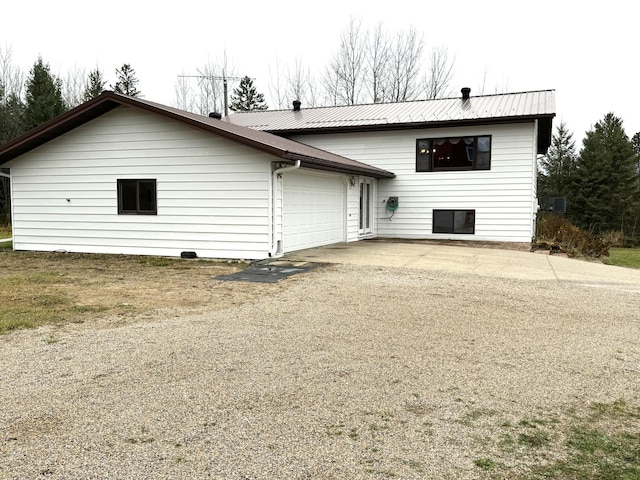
(296, 105)
(215, 115)
(466, 92)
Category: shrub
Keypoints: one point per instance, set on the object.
(556, 232)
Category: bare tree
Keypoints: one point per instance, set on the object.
(344, 75)
(300, 85)
(12, 79)
(276, 87)
(73, 86)
(184, 94)
(438, 78)
(208, 94)
(483, 84)
(378, 51)
(405, 62)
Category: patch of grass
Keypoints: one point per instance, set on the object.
(156, 261)
(597, 441)
(44, 288)
(594, 453)
(624, 257)
(535, 439)
(335, 430)
(484, 463)
(476, 413)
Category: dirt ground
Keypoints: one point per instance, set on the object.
(58, 288)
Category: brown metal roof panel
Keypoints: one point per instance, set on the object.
(524, 104)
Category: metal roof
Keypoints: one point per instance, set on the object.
(415, 114)
(284, 148)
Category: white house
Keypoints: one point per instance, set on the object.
(465, 168)
(125, 175)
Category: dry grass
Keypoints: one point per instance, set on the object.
(57, 288)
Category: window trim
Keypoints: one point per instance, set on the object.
(420, 157)
(138, 211)
(452, 211)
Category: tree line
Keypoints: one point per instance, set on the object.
(601, 182)
(28, 102)
(369, 65)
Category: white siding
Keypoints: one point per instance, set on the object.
(502, 197)
(213, 194)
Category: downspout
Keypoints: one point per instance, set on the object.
(274, 195)
(5, 175)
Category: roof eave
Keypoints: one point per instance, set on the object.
(410, 125)
(328, 165)
(57, 126)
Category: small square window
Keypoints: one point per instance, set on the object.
(137, 197)
(454, 221)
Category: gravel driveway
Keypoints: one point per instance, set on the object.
(345, 372)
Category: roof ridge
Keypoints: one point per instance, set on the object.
(254, 112)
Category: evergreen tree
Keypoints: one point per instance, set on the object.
(44, 96)
(635, 141)
(604, 186)
(558, 165)
(127, 83)
(94, 86)
(11, 118)
(246, 98)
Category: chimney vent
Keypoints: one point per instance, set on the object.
(215, 115)
(296, 105)
(466, 91)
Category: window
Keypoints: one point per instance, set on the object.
(453, 153)
(137, 197)
(454, 221)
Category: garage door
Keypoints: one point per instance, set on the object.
(313, 211)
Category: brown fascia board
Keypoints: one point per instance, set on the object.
(100, 105)
(409, 126)
(320, 164)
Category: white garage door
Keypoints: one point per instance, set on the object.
(313, 211)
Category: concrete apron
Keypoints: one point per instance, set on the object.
(490, 262)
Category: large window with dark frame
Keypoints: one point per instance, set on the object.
(137, 197)
(453, 153)
(454, 221)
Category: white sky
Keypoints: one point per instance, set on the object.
(586, 50)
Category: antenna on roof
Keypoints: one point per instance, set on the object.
(224, 79)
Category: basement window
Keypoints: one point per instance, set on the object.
(454, 221)
(453, 153)
(137, 197)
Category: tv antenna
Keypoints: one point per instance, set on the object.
(224, 79)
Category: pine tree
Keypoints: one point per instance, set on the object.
(127, 83)
(635, 141)
(11, 118)
(604, 187)
(246, 98)
(558, 165)
(44, 96)
(95, 85)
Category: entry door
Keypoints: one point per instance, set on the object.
(366, 207)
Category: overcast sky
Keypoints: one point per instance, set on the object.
(587, 51)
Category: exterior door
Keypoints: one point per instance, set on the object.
(366, 207)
